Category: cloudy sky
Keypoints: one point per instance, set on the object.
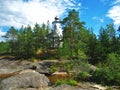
(95, 13)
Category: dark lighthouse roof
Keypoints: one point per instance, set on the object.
(56, 18)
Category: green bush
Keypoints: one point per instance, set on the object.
(109, 72)
(4, 47)
(83, 76)
(31, 59)
(72, 82)
(59, 82)
(69, 82)
(53, 68)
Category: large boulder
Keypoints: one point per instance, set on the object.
(39, 67)
(8, 71)
(11, 67)
(25, 79)
(42, 67)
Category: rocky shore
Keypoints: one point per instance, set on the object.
(27, 75)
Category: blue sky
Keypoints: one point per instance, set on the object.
(95, 13)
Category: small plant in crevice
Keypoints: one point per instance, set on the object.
(53, 68)
(84, 76)
(69, 82)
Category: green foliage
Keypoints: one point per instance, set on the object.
(72, 82)
(11, 37)
(53, 68)
(64, 51)
(83, 75)
(69, 82)
(67, 66)
(81, 68)
(81, 55)
(4, 47)
(25, 42)
(109, 88)
(71, 33)
(109, 72)
(92, 44)
(31, 59)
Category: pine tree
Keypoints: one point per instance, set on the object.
(11, 36)
(71, 40)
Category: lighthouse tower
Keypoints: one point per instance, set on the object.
(56, 33)
(57, 29)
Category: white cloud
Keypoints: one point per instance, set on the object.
(98, 19)
(18, 12)
(114, 12)
(2, 34)
(105, 2)
(116, 2)
(101, 20)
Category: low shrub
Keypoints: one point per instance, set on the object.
(69, 82)
(83, 76)
(53, 68)
(109, 72)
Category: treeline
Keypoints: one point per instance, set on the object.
(78, 41)
(25, 42)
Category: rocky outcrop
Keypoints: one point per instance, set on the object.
(24, 81)
(39, 67)
(12, 67)
(42, 67)
(27, 75)
(7, 72)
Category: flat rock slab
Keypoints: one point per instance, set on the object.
(25, 79)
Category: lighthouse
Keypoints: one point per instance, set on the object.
(57, 28)
(56, 34)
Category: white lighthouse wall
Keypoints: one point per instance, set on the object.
(57, 29)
